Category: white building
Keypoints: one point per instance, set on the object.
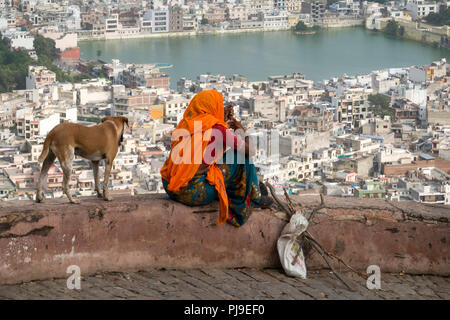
(94, 95)
(63, 41)
(382, 83)
(73, 18)
(160, 19)
(414, 93)
(417, 74)
(30, 127)
(3, 23)
(276, 20)
(390, 155)
(47, 124)
(174, 110)
(127, 160)
(255, 6)
(346, 7)
(69, 114)
(430, 193)
(19, 39)
(421, 8)
(237, 12)
(38, 77)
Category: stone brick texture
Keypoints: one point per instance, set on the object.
(231, 284)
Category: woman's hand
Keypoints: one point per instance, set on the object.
(228, 113)
(235, 124)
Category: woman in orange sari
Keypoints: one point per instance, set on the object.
(194, 174)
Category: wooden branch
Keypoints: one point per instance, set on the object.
(311, 238)
(280, 203)
(290, 209)
(289, 202)
(321, 206)
(315, 246)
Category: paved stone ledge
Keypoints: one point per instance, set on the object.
(230, 284)
(39, 241)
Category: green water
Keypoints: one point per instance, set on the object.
(259, 55)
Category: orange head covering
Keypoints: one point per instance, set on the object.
(193, 133)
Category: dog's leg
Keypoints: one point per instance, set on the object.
(43, 175)
(108, 165)
(95, 165)
(66, 165)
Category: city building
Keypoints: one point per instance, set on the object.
(39, 76)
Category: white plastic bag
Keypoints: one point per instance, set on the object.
(288, 248)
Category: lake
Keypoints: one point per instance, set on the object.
(258, 55)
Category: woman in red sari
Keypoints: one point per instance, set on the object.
(194, 182)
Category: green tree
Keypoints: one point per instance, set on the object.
(439, 19)
(380, 105)
(45, 48)
(14, 64)
(301, 26)
(13, 68)
(204, 21)
(102, 74)
(391, 28)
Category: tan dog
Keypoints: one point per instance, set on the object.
(94, 143)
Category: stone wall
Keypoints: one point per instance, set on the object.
(438, 36)
(40, 241)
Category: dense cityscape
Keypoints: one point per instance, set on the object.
(385, 134)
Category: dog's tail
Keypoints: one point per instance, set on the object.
(46, 148)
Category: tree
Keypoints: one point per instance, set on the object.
(380, 104)
(301, 26)
(45, 48)
(14, 64)
(439, 19)
(379, 100)
(204, 21)
(13, 68)
(102, 74)
(392, 28)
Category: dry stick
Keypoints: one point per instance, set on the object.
(311, 238)
(315, 246)
(289, 202)
(301, 236)
(306, 235)
(282, 205)
(321, 206)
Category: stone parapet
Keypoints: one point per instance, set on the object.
(40, 241)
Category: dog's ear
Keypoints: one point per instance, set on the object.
(104, 119)
(125, 120)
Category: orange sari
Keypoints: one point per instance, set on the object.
(204, 111)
